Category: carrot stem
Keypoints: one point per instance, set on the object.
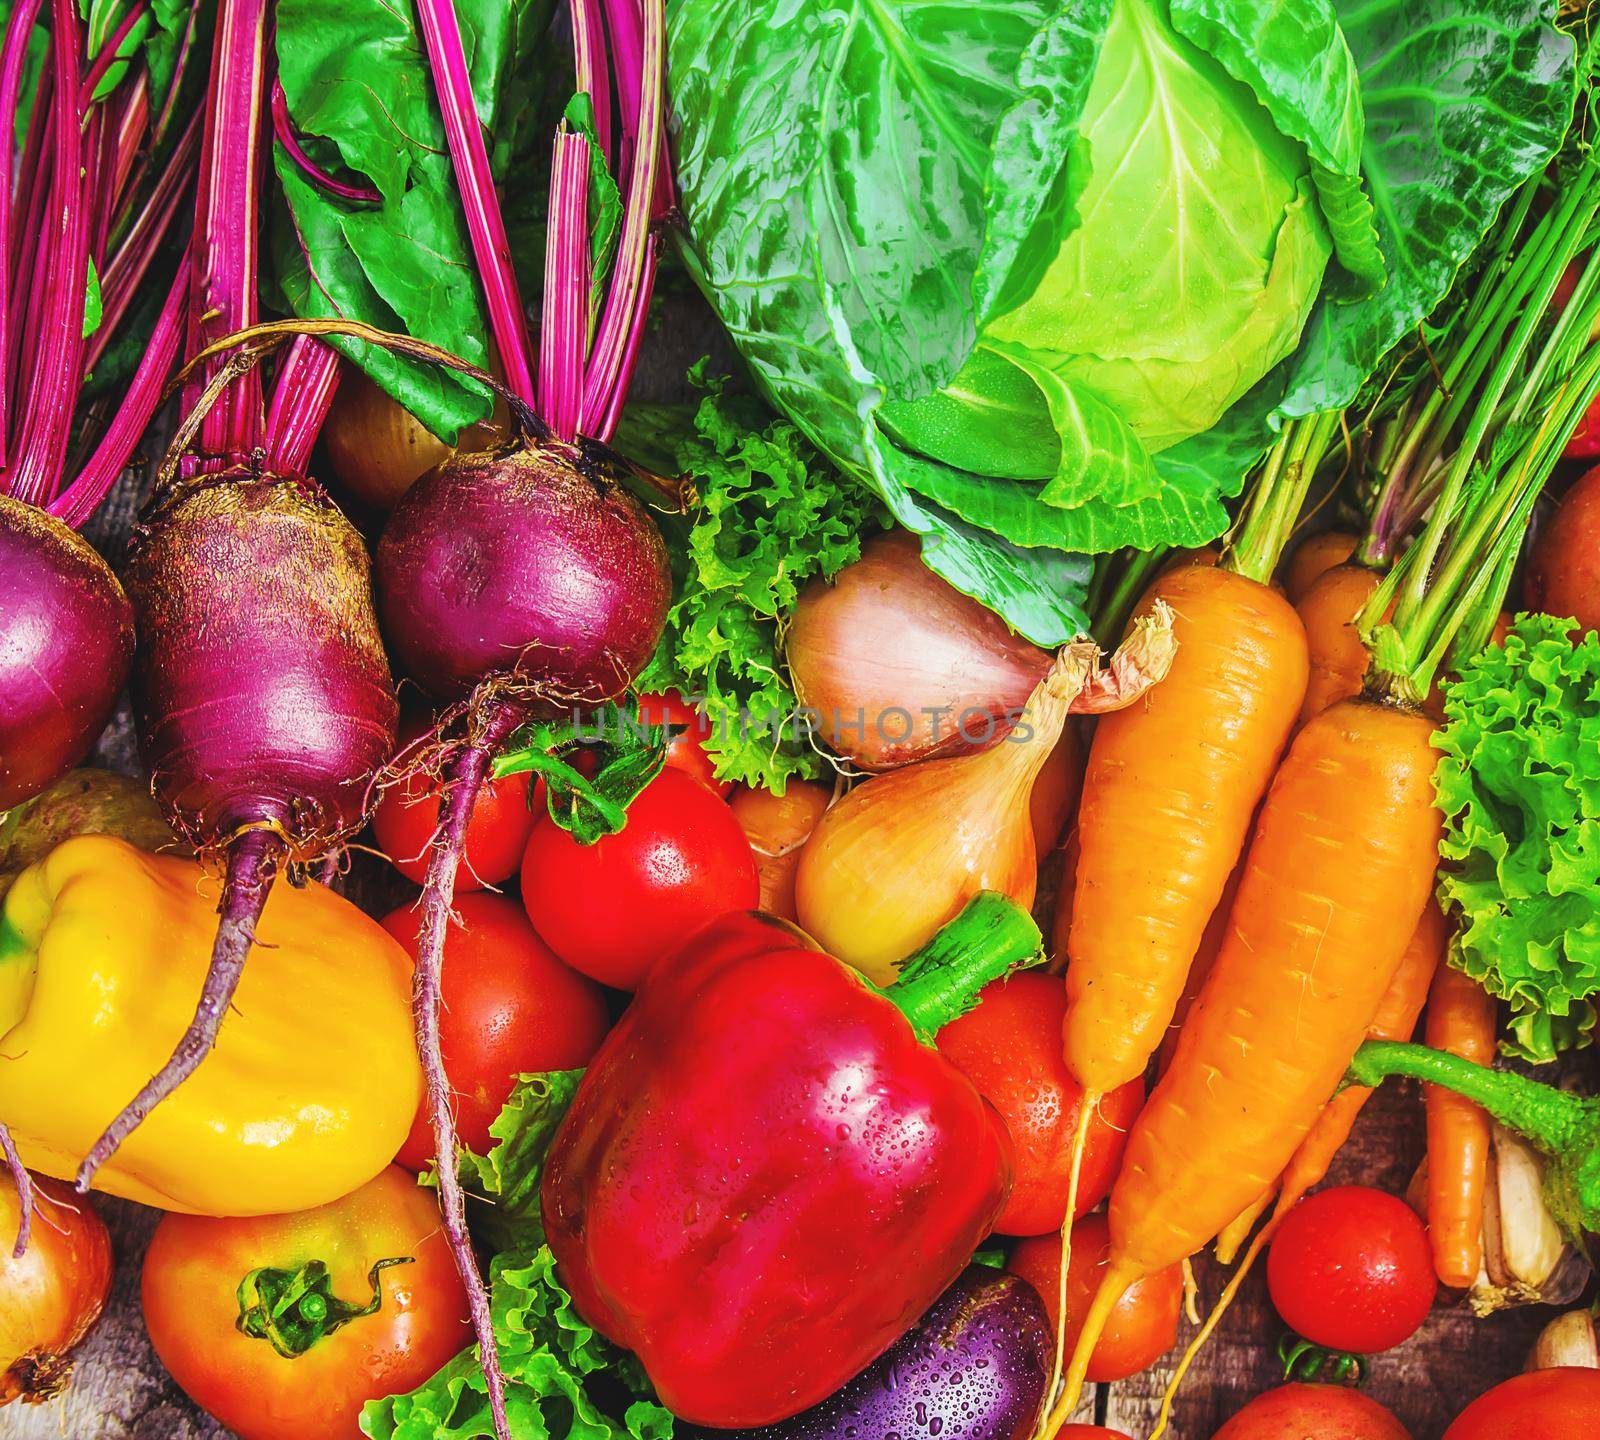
(1280, 494)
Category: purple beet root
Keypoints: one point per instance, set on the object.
(520, 580)
(974, 1368)
(66, 640)
(264, 706)
(531, 564)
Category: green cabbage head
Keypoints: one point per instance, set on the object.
(1200, 246)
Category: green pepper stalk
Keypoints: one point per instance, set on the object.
(1563, 1127)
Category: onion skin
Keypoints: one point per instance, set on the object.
(974, 1366)
(887, 636)
(66, 641)
(53, 1294)
(532, 564)
(261, 689)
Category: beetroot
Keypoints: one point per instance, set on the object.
(530, 564)
(261, 690)
(66, 638)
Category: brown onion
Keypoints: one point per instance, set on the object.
(54, 1293)
(898, 665)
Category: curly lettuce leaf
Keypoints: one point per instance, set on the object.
(1519, 786)
(563, 1381)
(771, 514)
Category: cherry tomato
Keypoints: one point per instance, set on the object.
(1314, 1412)
(777, 827)
(1143, 1324)
(1350, 1268)
(1564, 568)
(614, 908)
(407, 818)
(509, 1007)
(192, 1276)
(686, 751)
(1558, 1404)
(1009, 1046)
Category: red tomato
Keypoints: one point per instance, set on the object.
(1314, 1412)
(1559, 1404)
(1585, 441)
(1010, 1048)
(408, 816)
(686, 751)
(1564, 568)
(614, 908)
(192, 1273)
(1351, 1269)
(509, 1007)
(1143, 1324)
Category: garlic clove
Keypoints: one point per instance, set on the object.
(1568, 1340)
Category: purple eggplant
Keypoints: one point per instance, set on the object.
(973, 1368)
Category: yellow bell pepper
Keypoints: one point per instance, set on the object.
(313, 1084)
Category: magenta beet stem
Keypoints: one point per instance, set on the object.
(301, 395)
(464, 776)
(226, 226)
(35, 470)
(79, 500)
(452, 81)
(108, 53)
(24, 1184)
(564, 335)
(13, 56)
(634, 253)
(588, 48)
(283, 131)
(253, 860)
(131, 259)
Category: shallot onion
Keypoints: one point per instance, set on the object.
(897, 665)
(52, 1294)
(903, 852)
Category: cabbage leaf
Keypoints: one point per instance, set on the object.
(871, 187)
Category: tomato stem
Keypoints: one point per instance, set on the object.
(294, 1309)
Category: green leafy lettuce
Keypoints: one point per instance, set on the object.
(1047, 275)
(1519, 785)
(360, 95)
(564, 1382)
(769, 513)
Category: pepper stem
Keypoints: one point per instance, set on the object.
(987, 941)
(1552, 1120)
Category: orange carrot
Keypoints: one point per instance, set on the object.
(1461, 1019)
(1339, 660)
(1199, 968)
(1396, 1018)
(1231, 1239)
(1312, 557)
(1171, 785)
(1341, 863)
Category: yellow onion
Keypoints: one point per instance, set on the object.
(903, 852)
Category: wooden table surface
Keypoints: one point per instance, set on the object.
(121, 1392)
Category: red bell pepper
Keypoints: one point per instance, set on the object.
(768, 1172)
